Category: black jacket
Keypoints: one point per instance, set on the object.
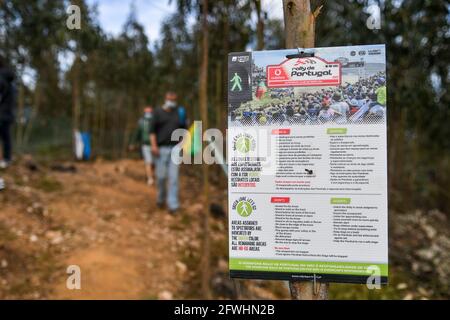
(7, 96)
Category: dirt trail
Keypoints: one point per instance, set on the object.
(105, 221)
(126, 250)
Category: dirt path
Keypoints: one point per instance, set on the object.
(127, 247)
(104, 220)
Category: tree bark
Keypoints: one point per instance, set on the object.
(219, 115)
(299, 22)
(260, 25)
(20, 116)
(304, 290)
(203, 99)
(226, 48)
(76, 103)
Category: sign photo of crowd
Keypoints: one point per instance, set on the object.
(342, 85)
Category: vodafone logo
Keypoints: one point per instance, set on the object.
(278, 72)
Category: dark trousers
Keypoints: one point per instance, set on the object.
(5, 139)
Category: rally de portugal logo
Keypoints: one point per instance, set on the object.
(244, 206)
(244, 143)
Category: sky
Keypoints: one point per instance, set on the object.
(112, 15)
(151, 13)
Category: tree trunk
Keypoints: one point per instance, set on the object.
(299, 24)
(37, 105)
(226, 48)
(259, 26)
(304, 290)
(218, 99)
(103, 124)
(76, 103)
(203, 99)
(20, 117)
(129, 121)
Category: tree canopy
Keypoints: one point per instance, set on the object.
(100, 83)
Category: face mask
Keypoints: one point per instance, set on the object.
(170, 104)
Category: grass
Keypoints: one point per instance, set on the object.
(278, 288)
(186, 220)
(48, 184)
(108, 217)
(21, 289)
(182, 223)
(341, 291)
(5, 234)
(50, 152)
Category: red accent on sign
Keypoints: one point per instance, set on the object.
(280, 200)
(246, 184)
(277, 73)
(281, 132)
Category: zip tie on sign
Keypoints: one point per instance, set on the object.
(316, 289)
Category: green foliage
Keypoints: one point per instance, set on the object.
(117, 76)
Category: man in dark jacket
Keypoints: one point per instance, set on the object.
(166, 119)
(7, 106)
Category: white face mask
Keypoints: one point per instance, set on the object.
(170, 104)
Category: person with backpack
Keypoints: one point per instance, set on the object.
(7, 106)
(141, 137)
(166, 119)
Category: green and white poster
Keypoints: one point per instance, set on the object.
(308, 164)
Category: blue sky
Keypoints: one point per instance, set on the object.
(151, 13)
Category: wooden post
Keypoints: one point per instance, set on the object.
(299, 23)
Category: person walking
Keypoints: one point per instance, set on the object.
(7, 106)
(141, 137)
(167, 119)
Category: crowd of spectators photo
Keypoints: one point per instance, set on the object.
(363, 101)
